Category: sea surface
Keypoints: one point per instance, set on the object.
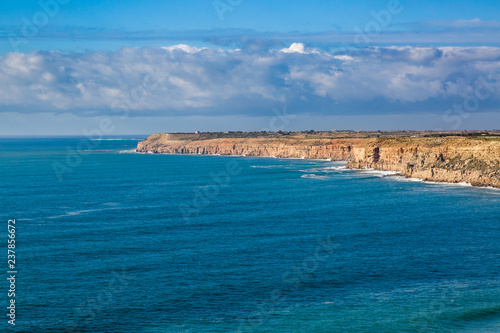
(108, 240)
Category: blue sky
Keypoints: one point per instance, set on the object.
(263, 15)
(85, 25)
(66, 64)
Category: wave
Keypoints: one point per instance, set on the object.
(313, 176)
(266, 166)
(128, 151)
(377, 173)
(445, 184)
(380, 172)
(396, 176)
(462, 184)
(366, 171)
(120, 139)
(110, 206)
(491, 188)
(420, 180)
(73, 213)
(338, 168)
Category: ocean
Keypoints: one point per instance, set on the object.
(108, 240)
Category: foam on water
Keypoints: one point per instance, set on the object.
(378, 173)
(110, 206)
(128, 151)
(342, 167)
(122, 139)
(313, 176)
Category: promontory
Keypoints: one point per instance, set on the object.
(432, 156)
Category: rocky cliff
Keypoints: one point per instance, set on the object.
(474, 160)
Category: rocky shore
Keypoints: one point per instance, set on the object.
(454, 159)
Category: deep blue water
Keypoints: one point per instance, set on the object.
(125, 242)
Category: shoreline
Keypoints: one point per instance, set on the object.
(474, 160)
(392, 174)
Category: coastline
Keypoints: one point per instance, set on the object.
(474, 160)
(394, 174)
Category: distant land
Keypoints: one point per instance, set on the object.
(446, 156)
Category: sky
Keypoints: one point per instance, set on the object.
(181, 66)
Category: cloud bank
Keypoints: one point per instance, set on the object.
(185, 80)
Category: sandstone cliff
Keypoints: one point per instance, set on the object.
(474, 160)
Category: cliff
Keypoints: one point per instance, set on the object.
(474, 160)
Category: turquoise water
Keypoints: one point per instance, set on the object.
(114, 241)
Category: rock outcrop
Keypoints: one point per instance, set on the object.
(474, 160)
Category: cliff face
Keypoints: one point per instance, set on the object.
(453, 159)
(338, 150)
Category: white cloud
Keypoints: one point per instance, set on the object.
(183, 47)
(299, 48)
(295, 48)
(185, 80)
